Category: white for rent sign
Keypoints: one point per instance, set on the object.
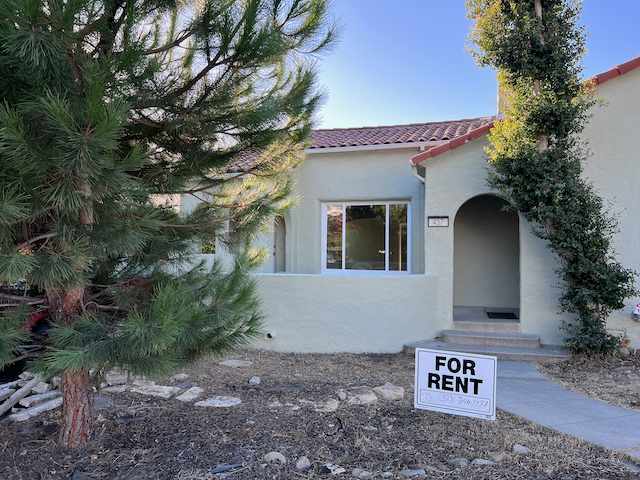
(457, 383)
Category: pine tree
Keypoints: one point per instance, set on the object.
(111, 109)
(536, 160)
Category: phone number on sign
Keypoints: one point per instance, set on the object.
(453, 400)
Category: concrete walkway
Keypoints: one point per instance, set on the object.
(525, 392)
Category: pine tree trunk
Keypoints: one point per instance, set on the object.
(76, 410)
(75, 428)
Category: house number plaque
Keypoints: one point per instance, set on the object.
(438, 221)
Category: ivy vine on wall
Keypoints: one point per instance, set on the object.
(535, 159)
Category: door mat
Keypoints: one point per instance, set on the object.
(502, 315)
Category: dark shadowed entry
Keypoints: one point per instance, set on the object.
(486, 255)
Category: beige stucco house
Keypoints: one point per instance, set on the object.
(397, 238)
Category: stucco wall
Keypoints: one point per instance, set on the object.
(341, 313)
(614, 169)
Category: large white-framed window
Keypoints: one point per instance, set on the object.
(366, 237)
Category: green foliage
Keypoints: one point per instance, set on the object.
(111, 111)
(535, 160)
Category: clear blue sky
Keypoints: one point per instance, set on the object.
(403, 61)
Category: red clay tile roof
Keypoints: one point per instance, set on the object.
(616, 71)
(397, 134)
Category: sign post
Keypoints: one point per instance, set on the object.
(456, 383)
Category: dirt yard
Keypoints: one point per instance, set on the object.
(143, 437)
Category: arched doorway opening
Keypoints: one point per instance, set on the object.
(486, 274)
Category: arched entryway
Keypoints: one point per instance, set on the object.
(486, 274)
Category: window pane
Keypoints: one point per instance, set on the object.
(334, 236)
(398, 251)
(365, 231)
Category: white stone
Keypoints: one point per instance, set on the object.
(10, 384)
(42, 387)
(142, 382)
(303, 463)
(335, 469)
(236, 363)
(624, 352)
(517, 448)
(366, 399)
(26, 375)
(37, 410)
(157, 391)
(190, 395)
(254, 381)
(6, 393)
(180, 377)
(116, 378)
(115, 389)
(358, 396)
(500, 456)
(275, 457)
(389, 392)
(480, 461)
(413, 473)
(358, 472)
(219, 401)
(32, 400)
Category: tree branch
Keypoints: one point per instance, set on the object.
(35, 239)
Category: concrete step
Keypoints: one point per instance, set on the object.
(493, 325)
(546, 353)
(494, 339)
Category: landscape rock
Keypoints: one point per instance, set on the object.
(184, 385)
(157, 391)
(236, 363)
(32, 400)
(303, 464)
(624, 352)
(219, 401)
(143, 382)
(225, 468)
(480, 461)
(335, 469)
(459, 462)
(500, 456)
(389, 391)
(517, 448)
(443, 468)
(621, 369)
(42, 387)
(632, 375)
(180, 377)
(116, 378)
(413, 473)
(115, 389)
(358, 396)
(275, 457)
(254, 381)
(190, 395)
(6, 393)
(28, 413)
(358, 472)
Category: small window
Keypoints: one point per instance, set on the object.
(366, 237)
